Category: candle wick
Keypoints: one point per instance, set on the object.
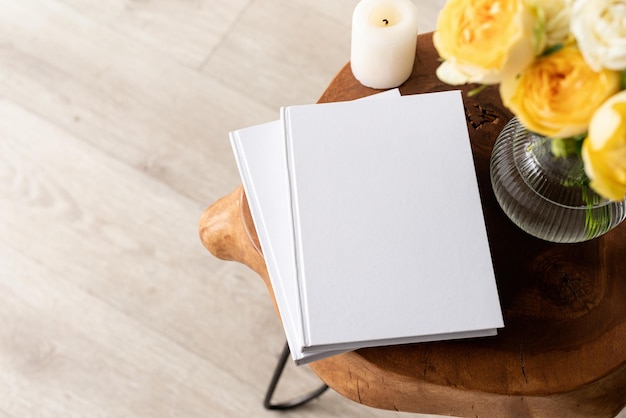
(386, 21)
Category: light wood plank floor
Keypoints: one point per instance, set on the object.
(114, 118)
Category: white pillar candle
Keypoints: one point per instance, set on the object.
(384, 34)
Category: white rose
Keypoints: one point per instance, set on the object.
(557, 14)
(599, 26)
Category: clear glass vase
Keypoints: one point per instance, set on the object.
(548, 197)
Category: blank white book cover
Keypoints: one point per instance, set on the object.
(260, 155)
(389, 234)
(261, 158)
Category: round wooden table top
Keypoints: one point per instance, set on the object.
(563, 349)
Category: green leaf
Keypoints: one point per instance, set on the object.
(477, 90)
(551, 50)
(563, 147)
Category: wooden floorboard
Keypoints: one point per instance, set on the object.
(114, 121)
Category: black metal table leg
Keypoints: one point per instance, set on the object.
(267, 402)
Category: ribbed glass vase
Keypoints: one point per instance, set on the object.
(548, 196)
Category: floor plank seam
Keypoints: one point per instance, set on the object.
(224, 37)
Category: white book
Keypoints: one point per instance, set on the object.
(261, 158)
(389, 235)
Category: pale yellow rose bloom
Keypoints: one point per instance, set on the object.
(604, 150)
(480, 40)
(557, 94)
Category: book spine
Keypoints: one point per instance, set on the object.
(287, 137)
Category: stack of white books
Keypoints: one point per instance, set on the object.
(370, 221)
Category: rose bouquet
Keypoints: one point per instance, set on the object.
(561, 69)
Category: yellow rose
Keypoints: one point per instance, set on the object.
(557, 94)
(604, 150)
(480, 40)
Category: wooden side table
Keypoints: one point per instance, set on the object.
(562, 352)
